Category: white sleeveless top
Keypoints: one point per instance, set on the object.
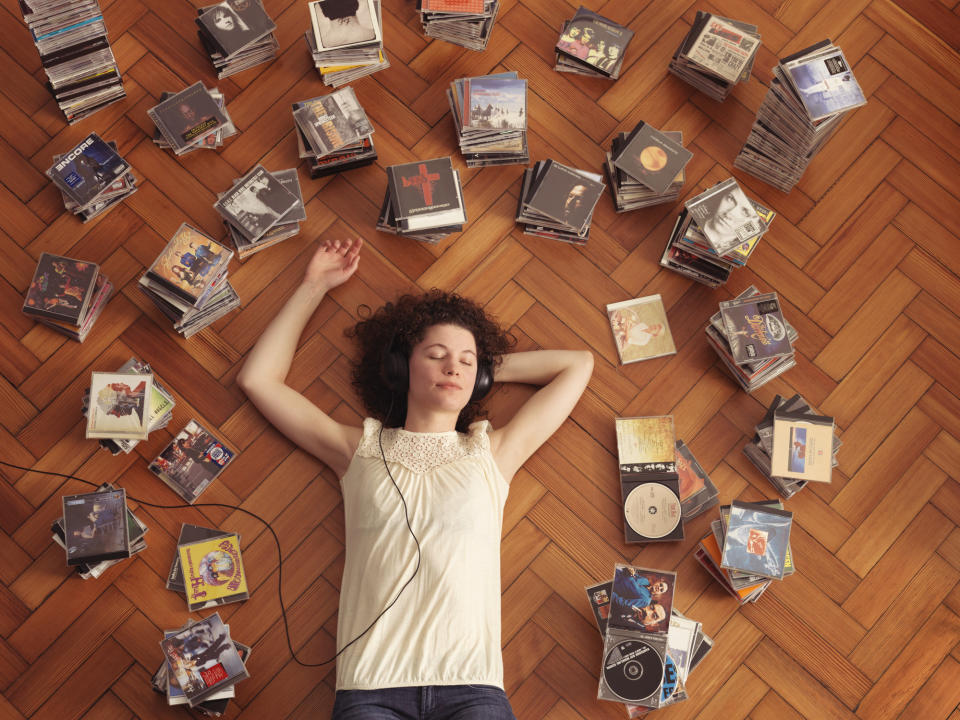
(445, 628)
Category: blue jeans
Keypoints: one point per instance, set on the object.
(432, 702)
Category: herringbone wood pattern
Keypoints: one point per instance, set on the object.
(864, 254)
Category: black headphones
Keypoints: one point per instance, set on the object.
(396, 373)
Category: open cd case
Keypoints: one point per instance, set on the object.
(638, 628)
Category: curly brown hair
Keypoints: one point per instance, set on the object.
(400, 326)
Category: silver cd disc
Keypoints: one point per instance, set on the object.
(652, 510)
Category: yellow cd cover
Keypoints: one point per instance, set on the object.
(213, 572)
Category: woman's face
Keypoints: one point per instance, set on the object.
(730, 215)
(224, 21)
(443, 369)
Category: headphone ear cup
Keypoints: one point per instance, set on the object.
(396, 371)
(484, 381)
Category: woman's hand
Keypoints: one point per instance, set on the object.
(332, 264)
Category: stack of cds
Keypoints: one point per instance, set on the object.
(346, 40)
(201, 665)
(687, 644)
(188, 281)
(462, 22)
(192, 119)
(157, 406)
(716, 54)
(423, 201)
(593, 45)
(67, 295)
(809, 95)
(237, 35)
(98, 530)
(334, 133)
(243, 217)
(557, 201)
(752, 338)
(92, 177)
(706, 244)
(72, 40)
(490, 116)
(646, 167)
(793, 444)
(748, 548)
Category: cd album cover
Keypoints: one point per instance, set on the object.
(188, 534)
(495, 102)
(599, 598)
(646, 447)
(723, 49)
(565, 194)
(203, 659)
(338, 24)
(696, 487)
(802, 446)
(87, 170)
(234, 24)
(330, 125)
(652, 511)
(189, 263)
(755, 328)
(188, 116)
(118, 405)
(641, 599)
(61, 288)
(595, 40)
(213, 572)
(191, 461)
(423, 187)
(640, 329)
(756, 540)
(651, 157)
(725, 215)
(825, 84)
(255, 203)
(95, 526)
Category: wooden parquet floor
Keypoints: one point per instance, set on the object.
(864, 254)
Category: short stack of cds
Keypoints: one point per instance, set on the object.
(423, 201)
(72, 40)
(346, 40)
(192, 119)
(157, 407)
(748, 548)
(201, 665)
(687, 644)
(490, 117)
(716, 54)
(237, 35)
(793, 444)
(67, 295)
(98, 530)
(238, 216)
(334, 133)
(557, 201)
(468, 23)
(809, 95)
(92, 177)
(188, 281)
(715, 234)
(752, 338)
(646, 167)
(593, 45)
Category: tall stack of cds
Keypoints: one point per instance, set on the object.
(490, 117)
(346, 40)
(237, 35)
(188, 281)
(752, 338)
(265, 191)
(646, 167)
(334, 133)
(423, 201)
(810, 93)
(716, 54)
(67, 295)
(193, 119)
(92, 177)
(593, 45)
(793, 444)
(72, 40)
(468, 23)
(716, 233)
(557, 201)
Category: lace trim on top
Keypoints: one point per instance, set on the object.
(421, 452)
